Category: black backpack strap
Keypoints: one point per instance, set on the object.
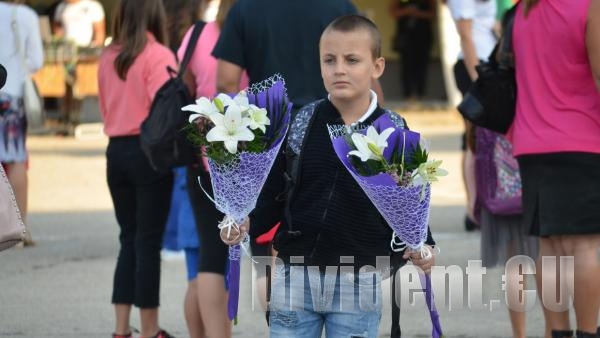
(189, 51)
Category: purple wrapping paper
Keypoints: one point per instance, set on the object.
(404, 209)
(237, 184)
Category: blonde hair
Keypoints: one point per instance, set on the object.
(529, 5)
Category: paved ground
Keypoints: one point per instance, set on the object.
(61, 287)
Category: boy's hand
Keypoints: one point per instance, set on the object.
(236, 235)
(423, 263)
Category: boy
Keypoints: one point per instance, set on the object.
(328, 222)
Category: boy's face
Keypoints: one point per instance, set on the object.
(348, 65)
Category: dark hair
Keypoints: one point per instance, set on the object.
(353, 22)
(181, 14)
(132, 20)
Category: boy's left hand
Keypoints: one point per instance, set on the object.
(417, 260)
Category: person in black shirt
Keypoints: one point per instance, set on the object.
(327, 219)
(264, 37)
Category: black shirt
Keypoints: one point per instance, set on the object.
(273, 36)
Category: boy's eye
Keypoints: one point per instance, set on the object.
(352, 60)
(329, 60)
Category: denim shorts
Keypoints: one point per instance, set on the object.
(304, 301)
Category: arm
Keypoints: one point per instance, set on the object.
(465, 31)
(228, 77)
(592, 40)
(99, 33)
(98, 24)
(34, 50)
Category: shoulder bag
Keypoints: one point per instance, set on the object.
(32, 101)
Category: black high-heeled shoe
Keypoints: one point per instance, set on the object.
(470, 225)
(562, 334)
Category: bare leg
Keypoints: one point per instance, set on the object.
(470, 184)
(191, 309)
(554, 320)
(585, 250)
(517, 318)
(17, 176)
(149, 322)
(122, 313)
(261, 290)
(212, 298)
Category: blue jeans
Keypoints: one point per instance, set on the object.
(304, 300)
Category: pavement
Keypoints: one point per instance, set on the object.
(61, 287)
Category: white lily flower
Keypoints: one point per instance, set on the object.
(230, 128)
(429, 172)
(258, 118)
(370, 146)
(242, 99)
(203, 108)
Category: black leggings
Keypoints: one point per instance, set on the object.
(141, 198)
(213, 252)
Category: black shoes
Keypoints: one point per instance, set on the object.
(470, 225)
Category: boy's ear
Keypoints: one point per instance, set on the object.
(379, 67)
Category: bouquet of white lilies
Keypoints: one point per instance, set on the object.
(240, 137)
(391, 165)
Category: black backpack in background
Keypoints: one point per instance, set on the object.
(162, 137)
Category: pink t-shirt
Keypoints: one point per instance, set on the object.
(558, 105)
(203, 65)
(125, 104)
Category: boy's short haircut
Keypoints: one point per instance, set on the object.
(353, 22)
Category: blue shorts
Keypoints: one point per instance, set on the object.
(191, 261)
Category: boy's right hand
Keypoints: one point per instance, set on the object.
(236, 235)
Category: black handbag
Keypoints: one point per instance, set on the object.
(162, 135)
(491, 100)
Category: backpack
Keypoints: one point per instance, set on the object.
(162, 138)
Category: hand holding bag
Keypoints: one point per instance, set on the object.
(491, 100)
(12, 229)
(32, 101)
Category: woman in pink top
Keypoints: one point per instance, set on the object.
(210, 289)
(131, 70)
(556, 138)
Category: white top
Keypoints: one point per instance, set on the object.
(370, 109)
(78, 18)
(31, 44)
(483, 15)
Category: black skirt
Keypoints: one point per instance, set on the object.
(561, 193)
